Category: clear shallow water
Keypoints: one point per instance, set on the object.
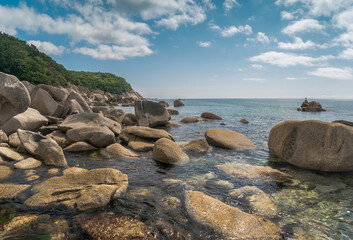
(319, 206)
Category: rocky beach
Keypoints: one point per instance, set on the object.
(77, 164)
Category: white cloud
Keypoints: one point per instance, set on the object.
(282, 59)
(254, 79)
(333, 73)
(298, 44)
(287, 15)
(204, 44)
(303, 25)
(347, 54)
(261, 37)
(104, 52)
(48, 47)
(209, 4)
(344, 20)
(230, 4)
(232, 30)
(257, 66)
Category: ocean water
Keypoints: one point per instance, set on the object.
(316, 205)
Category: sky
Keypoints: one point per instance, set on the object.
(198, 48)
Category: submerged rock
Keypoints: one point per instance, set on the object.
(260, 202)
(113, 226)
(197, 146)
(229, 221)
(10, 191)
(189, 120)
(209, 115)
(167, 151)
(82, 190)
(314, 145)
(28, 163)
(150, 114)
(228, 139)
(5, 172)
(243, 170)
(173, 111)
(178, 103)
(244, 121)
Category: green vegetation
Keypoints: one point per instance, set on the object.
(27, 63)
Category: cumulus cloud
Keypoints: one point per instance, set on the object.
(282, 59)
(346, 54)
(230, 4)
(333, 73)
(261, 37)
(231, 30)
(204, 44)
(344, 20)
(48, 47)
(303, 25)
(299, 44)
(287, 15)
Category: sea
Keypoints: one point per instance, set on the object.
(315, 205)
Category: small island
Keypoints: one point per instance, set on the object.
(310, 107)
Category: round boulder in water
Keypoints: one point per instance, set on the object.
(225, 138)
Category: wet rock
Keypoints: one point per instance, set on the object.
(167, 151)
(171, 124)
(244, 121)
(307, 185)
(5, 172)
(227, 220)
(116, 150)
(137, 132)
(243, 170)
(295, 199)
(17, 224)
(225, 138)
(14, 96)
(173, 111)
(10, 154)
(178, 103)
(224, 184)
(170, 202)
(28, 163)
(141, 146)
(85, 191)
(32, 178)
(150, 114)
(54, 171)
(209, 115)
(10, 191)
(314, 145)
(30, 120)
(112, 226)
(189, 120)
(197, 146)
(43, 101)
(260, 202)
(42, 147)
(140, 194)
(98, 136)
(80, 147)
(89, 120)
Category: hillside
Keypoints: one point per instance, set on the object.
(27, 63)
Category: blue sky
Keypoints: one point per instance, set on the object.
(198, 48)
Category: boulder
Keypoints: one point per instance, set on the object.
(178, 103)
(58, 94)
(28, 163)
(253, 172)
(150, 114)
(173, 111)
(311, 106)
(228, 139)
(114, 114)
(43, 101)
(3, 137)
(14, 97)
(98, 136)
(129, 119)
(113, 226)
(167, 151)
(228, 221)
(189, 120)
(42, 147)
(10, 154)
(141, 145)
(209, 115)
(134, 132)
(243, 120)
(14, 140)
(260, 202)
(30, 120)
(164, 103)
(70, 107)
(11, 191)
(29, 86)
(171, 124)
(81, 190)
(5, 172)
(60, 138)
(89, 120)
(314, 145)
(79, 147)
(116, 150)
(80, 100)
(197, 146)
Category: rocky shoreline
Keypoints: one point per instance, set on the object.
(40, 123)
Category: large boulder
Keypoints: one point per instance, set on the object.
(14, 97)
(30, 87)
(88, 120)
(229, 221)
(59, 94)
(129, 119)
(116, 150)
(197, 146)
(80, 100)
(98, 136)
(81, 189)
(178, 103)
(30, 120)
(225, 138)
(135, 133)
(172, 111)
(314, 145)
(189, 120)
(114, 114)
(42, 147)
(150, 114)
(79, 147)
(209, 115)
(167, 151)
(43, 101)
